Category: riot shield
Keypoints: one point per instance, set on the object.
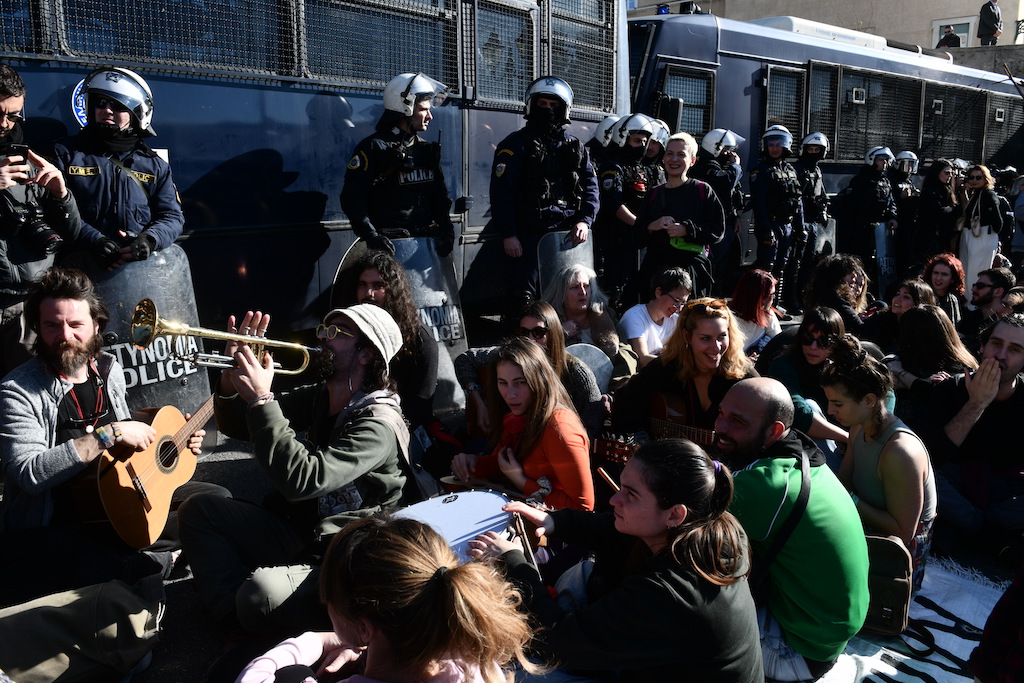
(156, 376)
(885, 258)
(825, 238)
(555, 251)
(434, 289)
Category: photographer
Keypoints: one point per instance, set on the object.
(37, 215)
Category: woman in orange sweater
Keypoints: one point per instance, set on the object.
(542, 447)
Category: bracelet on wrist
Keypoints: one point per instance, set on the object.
(261, 400)
(105, 438)
(472, 387)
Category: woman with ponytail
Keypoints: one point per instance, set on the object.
(667, 599)
(404, 609)
(886, 466)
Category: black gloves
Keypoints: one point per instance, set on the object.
(142, 246)
(377, 241)
(106, 252)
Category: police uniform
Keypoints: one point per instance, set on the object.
(724, 179)
(394, 185)
(539, 183)
(907, 198)
(815, 205)
(776, 200)
(621, 183)
(870, 202)
(131, 192)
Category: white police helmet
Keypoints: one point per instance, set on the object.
(603, 133)
(549, 86)
(876, 152)
(661, 133)
(819, 139)
(907, 162)
(720, 140)
(403, 92)
(127, 88)
(778, 132)
(634, 123)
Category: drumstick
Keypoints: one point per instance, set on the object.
(604, 475)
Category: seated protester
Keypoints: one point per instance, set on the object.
(973, 437)
(986, 294)
(752, 303)
(539, 323)
(997, 656)
(840, 283)
(542, 448)
(945, 274)
(648, 326)
(883, 328)
(377, 278)
(404, 609)
(886, 467)
(700, 361)
(929, 352)
(817, 586)
(1012, 302)
(671, 560)
(583, 309)
(347, 467)
(799, 368)
(59, 413)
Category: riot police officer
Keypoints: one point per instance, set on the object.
(130, 207)
(776, 200)
(541, 181)
(870, 204)
(718, 165)
(907, 197)
(597, 146)
(393, 185)
(656, 153)
(813, 149)
(624, 182)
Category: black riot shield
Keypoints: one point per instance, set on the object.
(555, 252)
(434, 289)
(885, 258)
(156, 376)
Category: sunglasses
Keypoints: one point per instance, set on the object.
(701, 308)
(329, 332)
(13, 118)
(981, 285)
(975, 177)
(824, 342)
(104, 102)
(537, 333)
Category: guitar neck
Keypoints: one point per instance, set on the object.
(200, 418)
(667, 429)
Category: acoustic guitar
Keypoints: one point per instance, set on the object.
(664, 422)
(136, 486)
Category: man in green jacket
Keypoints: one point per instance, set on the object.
(815, 595)
(256, 566)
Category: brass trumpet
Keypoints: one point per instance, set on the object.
(147, 326)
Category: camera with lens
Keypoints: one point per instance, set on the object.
(27, 220)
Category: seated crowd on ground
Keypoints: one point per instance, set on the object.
(896, 417)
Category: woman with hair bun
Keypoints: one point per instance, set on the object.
(404, 609)
(667, 599)
(886, 466)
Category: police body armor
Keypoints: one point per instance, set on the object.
(813, 188)
(784, 195)
(551, 175)
(402, 193)
(636, 183)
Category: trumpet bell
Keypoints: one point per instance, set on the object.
(144, 324)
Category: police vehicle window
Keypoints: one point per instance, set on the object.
(364, 41)
(16, 26)
(583, 50)
(954, 122)
(822, 114)
(785, 101)
(640, 36)
(1005, 117)
(696, 89)
(877, 106)
(236, 34)
(504, 52)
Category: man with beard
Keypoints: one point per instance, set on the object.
(60, 411)
(974, 440)
(38, 215)
(394, 186)
(348, 466)
(541, 181)
(130, 207)
(986, 295)
(813, 596)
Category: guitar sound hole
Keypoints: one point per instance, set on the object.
(167, 455)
